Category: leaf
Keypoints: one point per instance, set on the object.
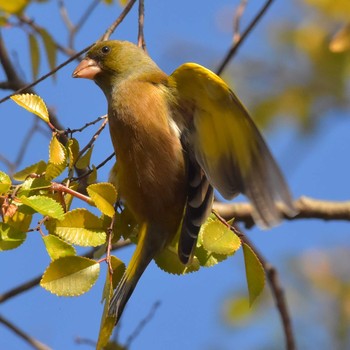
(93, 175)
(70, 276)
(108, 322)
(218, 238)
(57, 152)
(19, 220)
(50, 48)
(104, 196)
(79, 227)
(44, 205)
(73, 151)
(254, 273)
(34, 55)
(57, 248)
(84, 161)
(10, 237)
(34, 104)
(33, 186)
(37, 168)
(5, 182)
(54, 170)
(13, 6)
(169, 261)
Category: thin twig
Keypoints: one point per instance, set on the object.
(72, 131)
(116, 23)
(235, 46)
(237, 21)
(36, 344)
(141, 36)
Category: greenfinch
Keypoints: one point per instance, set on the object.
(176, 138)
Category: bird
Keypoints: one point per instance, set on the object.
(177, 138)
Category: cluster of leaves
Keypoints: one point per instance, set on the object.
(38, 190)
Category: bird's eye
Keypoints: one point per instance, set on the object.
(105, 49)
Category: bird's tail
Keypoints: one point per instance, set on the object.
(145, 251)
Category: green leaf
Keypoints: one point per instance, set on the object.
(50, 48)
(5, 182)
(19, 220)
(169, 261)
(108, 322)
(73, 151)
(34, 104)
(79, 227)
(34, 54)
(10, 237)
(57, 152)
(44, 205)
(93, 175)
(37, 168)
(54, 170)
(254, 273)
(57, 248)
(104, 196)
(84, 161)
(218, 238)
(33, 186)
(70, 276)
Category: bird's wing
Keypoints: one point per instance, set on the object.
(228, 146)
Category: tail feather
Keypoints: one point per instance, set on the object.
(147, 247)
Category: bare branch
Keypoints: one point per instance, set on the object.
(141, 36)
(308, 208)
(36, 344)
(237, 21)
(116, 23)
(235, 46)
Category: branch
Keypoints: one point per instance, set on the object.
(236, 45)
(30, 340)
(116, 23)
(141, 36)
(308, 208)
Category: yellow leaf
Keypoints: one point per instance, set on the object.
(73, 151)
(254, 273)
(104, 196)
(57, 152)
(13, 6)
(50, 48)
(84, 160)
(34, 104)
(34, 54)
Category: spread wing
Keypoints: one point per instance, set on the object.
(228, 146)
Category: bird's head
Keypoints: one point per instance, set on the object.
(110, 62)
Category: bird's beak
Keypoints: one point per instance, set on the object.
(87, 68)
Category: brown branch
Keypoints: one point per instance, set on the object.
(141, 36)
(235, 46)
(308, 208)
(237, 21)
(30, 340)
(116, 23)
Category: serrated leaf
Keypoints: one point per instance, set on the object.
(5, 182)
(73, 151)
(70, 276)
(13, 6)
(84, 161)
(104, 196)
(10, 237)
(169, 261)
(79, 227)
(19, 220)
(206, 258)
(57, 248)
(254, 273)
(108, 322)
(37, 168)
(219, 239)
(57, 152)
(50, 48)
(34, 104)
(34, 55)
(33, 186)
(54, 170)
(44, 205)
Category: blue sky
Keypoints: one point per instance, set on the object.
(189, 316)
